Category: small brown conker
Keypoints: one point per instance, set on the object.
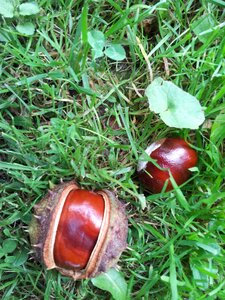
(81, 233)
(173, 154)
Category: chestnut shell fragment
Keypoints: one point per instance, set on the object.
(110, 243)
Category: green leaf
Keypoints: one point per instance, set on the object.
(97, 53)
(9, 259)
(9, 245)
(176, 107)
(29, 8)
(23, 121)
(6, 8)
(113, 282)
(115, 52)
(1, 253)
(201, 280)
(204, 273)
(218, 129)
(212, 248)
(218, 2)
(4, 37)
(20, 258)
(26, 28)
(201, 27)
(97, 41)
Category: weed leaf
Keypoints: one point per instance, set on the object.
(204, 273)
(219, 2)
(113, 282)
(218, 129)
(20, 258)
(6, 8)
(115, 52)
(29, 8)
(4, 37)
(212, 248)
(9, 246)
(201, 27)
(176, 107)
(97, 41)
(26, 28)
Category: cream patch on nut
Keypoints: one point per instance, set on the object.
(142, 164)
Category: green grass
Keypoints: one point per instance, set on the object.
(56, 106)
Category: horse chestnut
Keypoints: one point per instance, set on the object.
(173, 154)
(81, 233)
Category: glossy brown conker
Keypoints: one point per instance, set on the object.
(171, 154)
(81, 233)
